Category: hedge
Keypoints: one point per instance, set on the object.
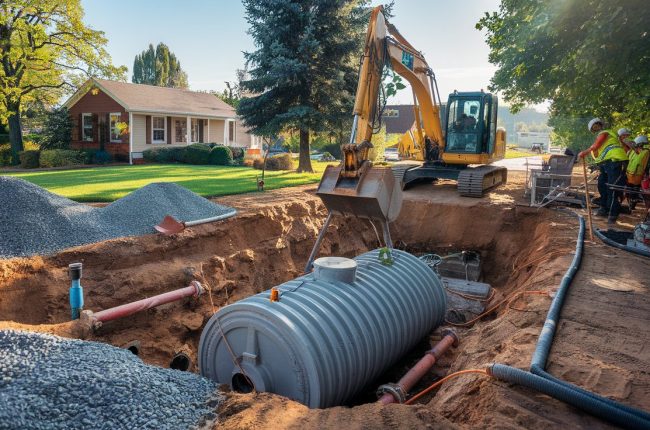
(102, 157)
(221, 156)
(5, 155)
(276, 162)
(164, 155)
(237, 152)
(29, 159)
(197, 153)
(61, 158)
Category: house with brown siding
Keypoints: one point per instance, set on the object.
(130, 118)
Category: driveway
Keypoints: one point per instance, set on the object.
(521, 163)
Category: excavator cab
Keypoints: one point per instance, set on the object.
(471, 123)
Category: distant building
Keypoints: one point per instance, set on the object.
(398, 118)
(526, 139)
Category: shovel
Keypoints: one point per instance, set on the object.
(170, 225)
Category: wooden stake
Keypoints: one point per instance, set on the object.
(588, 199)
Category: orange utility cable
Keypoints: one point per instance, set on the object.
(442, 381)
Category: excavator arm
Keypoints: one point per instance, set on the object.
(385, 46)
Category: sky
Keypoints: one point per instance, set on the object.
(209, 37)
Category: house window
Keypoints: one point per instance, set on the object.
(115, 130)
(87, 126)
(158, 129)
(195, 130)
(231, 131)
(181, 131)
(391, 113)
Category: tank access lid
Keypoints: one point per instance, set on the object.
(335, 269)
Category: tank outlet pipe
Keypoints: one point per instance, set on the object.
(194, 289)
(396, 393)
(76, 291)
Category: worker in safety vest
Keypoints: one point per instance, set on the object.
(611, 158)
(641, 166)
(625, 139)
(638, 161)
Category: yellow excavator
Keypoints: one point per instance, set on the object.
(469, 136)
(449, 138)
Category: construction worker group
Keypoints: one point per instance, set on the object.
(623, 164)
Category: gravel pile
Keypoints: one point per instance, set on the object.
(47, 382)
(35, 221)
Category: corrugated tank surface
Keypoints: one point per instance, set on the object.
(322, 342)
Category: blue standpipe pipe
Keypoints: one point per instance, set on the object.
(76, 291)
(540, 380)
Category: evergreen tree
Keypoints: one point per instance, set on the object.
(57, 130)
(304, 69)
(158, 67)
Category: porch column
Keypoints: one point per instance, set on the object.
(130, 137)
(188, 131)
(209, 139)
(226, 126)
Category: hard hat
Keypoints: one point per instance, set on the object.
(641, 139)
(623, 131)
(594, 121)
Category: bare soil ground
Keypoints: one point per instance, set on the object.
(601, 342)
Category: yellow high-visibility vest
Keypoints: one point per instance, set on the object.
(612, 149)
(636, 166)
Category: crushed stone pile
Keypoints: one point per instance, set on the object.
(48, 382)
(35, 221)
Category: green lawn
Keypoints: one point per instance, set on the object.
(106, 184)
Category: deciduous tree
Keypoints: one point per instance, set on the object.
(588, 58)
(45, 49)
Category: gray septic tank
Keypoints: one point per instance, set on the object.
(325, 339)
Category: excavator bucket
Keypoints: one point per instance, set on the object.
(375, 194)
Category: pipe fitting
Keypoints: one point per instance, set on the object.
(449, 339)
(199, 288)
(394, 390)
(452, 333)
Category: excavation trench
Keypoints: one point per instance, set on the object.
(267, 244)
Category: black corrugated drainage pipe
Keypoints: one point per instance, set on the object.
(615, 244)
(540, 380)
(180, 361)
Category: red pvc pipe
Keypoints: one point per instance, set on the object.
(194, 289)
(416, 373)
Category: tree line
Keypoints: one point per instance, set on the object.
(589, 58)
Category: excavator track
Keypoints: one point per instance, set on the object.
(400, 169)
(474, 181)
